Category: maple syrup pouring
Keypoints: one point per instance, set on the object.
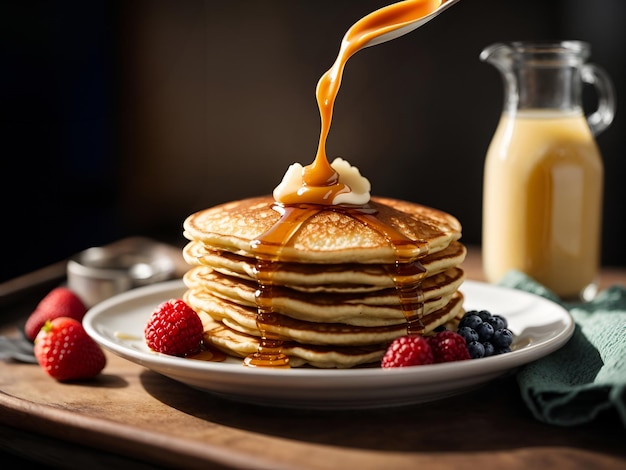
(376, 24)
(321, 185)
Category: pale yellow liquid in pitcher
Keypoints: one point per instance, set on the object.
(542, 201)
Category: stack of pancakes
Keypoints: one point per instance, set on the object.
(334, 294)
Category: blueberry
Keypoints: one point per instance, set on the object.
(500, 318)
(502, 338)
(484, 315)
(485, 331)
(497, 322)
(489, 349)
(503, 350)
(476, 349)
(469, 334)
(472, 321)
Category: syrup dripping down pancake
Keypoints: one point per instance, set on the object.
(319, 277)
(243, 319)
(333, 281)
(366, 346)
(328, 237)
(381, 307)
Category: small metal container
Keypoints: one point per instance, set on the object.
(102, 272)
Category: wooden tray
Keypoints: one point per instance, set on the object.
(133, 416)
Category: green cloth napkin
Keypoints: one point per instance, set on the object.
(587, 375)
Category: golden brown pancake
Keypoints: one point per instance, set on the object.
(299, 341)
(343, 277)
(329, 237)
(243, 319)
(381, 307)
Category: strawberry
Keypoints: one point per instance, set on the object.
(59, 302)
(448, 346)
(66, 352)
(174, 329)
(408, 350)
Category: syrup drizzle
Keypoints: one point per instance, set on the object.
(407, 272)
(321, 185)
(268, 248)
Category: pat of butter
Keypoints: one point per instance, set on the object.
(359, 186)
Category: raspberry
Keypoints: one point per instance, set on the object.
(174, 329)
(408, 350)
(448, 346)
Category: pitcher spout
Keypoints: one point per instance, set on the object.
(499, 55)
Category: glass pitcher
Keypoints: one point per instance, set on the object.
(543, 176)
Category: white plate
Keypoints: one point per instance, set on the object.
(539, 325)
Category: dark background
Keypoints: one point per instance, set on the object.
(120, 118)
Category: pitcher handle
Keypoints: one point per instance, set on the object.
(602, 117)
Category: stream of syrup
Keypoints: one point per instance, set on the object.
(377, 23)
(321, 185)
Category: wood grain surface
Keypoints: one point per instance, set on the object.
(132, 416)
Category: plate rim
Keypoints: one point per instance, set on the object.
(354, 377)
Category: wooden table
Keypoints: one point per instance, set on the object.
(133, 417)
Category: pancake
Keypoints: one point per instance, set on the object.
(319, 277)
(243, 319)
(328, 237)
(241, 344)
(382, 307)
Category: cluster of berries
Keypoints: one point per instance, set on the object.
(416, 350)
(62, 347)
(479, 334)
(66, 352)
(485, 334)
